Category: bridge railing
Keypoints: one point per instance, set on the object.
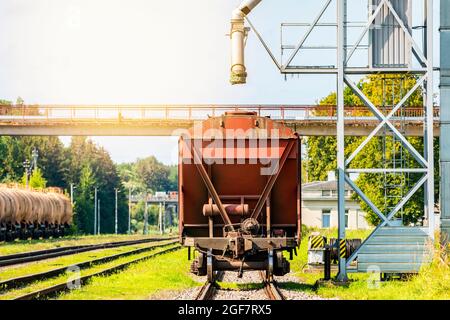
(59, 113)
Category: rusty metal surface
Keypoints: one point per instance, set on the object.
(259, 243)
(239, 181)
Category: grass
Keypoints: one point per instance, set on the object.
(433, 282)
(46, 265)
(64, 278)
(240, 286)
(162, 275)
(19, 246)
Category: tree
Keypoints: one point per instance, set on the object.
(84, 202)
(155, 175)
(11, 159)
(105, 178)
(37, 181)
(50, 159)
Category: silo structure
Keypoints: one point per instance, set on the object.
(389, 46)
(445, 119)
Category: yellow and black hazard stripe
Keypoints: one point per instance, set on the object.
(342, 248)
(317, 242)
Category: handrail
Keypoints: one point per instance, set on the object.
(52, 113)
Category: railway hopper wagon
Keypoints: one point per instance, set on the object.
(239, 194)
(26, 213)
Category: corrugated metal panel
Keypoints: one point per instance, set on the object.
(389, 46)
(395, 249)
(445, 118)
(402, 230)
(393, 258)
(390, 267)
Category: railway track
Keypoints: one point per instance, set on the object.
(270, 288)
(19, 282)
(208, 290)
(53, 290)
(32, 256)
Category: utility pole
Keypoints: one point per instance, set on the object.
(34, 155)
(129, 210)
(160, 218)
(99, 215)
(26, 166)
(164, 218)
(71, 193)
(115, 210)
(95, 211)
(146, 215)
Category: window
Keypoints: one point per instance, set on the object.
(326, 218)
(346, 218)
(326, 193)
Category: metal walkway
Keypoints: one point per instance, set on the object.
(164, 120)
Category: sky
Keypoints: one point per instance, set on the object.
(152, 52)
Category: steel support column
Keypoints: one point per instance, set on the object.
(429, 138)
(342, 275)
(445, 119)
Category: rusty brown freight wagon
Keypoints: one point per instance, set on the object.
(239, 193)
(28, 213)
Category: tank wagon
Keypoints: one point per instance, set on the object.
(28, 213)
(239, 194)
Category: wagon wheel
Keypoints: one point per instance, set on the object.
(209, 266)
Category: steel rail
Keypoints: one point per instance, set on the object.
(63, 286)
(271, 288)
(19, 282)
(209, 289)
(33, 256)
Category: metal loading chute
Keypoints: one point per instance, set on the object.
(238, 34)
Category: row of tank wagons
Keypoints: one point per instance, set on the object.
(27, 213)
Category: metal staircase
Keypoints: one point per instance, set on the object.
(395, 250)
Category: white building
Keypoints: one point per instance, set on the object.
(319, 206)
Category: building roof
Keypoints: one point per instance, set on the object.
(322, 185)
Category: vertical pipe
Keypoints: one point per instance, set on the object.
(211, 227)
(268, 226)
(342, 275)
(445, 119)
(429, 120)
(210, 219)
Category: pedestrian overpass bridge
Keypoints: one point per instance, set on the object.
(164, 120)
